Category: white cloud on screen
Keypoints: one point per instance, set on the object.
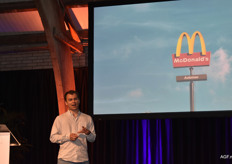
(220, 66)
(108, 21)
(156, 25)
(212, 92)
(137, 93)
(224, 41)
(142, 7)
(181, 88)
(110, 101)
(156, 42)
(124, 51)
(127, 97)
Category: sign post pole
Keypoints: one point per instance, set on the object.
(191, 91)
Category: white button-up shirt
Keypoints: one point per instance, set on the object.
(63, 126)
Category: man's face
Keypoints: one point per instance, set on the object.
(72, 101)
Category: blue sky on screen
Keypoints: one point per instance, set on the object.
(133, 44)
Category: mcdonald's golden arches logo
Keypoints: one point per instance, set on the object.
(191, 59)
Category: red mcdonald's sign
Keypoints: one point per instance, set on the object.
(190, 59)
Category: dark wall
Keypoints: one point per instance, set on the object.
(29, 98)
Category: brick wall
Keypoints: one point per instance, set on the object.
(35, 60)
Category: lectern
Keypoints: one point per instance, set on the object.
(5, 143)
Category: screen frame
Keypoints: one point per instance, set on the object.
(164, 115)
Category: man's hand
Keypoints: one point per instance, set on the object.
(84, 130)
(73, 136)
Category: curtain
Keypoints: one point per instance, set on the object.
(81, 82)
(133, 142)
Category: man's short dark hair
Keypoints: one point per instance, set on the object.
(71, 92)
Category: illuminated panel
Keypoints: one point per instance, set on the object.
(81, 14)
(20, 22)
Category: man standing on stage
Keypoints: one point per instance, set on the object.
(72, 130)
